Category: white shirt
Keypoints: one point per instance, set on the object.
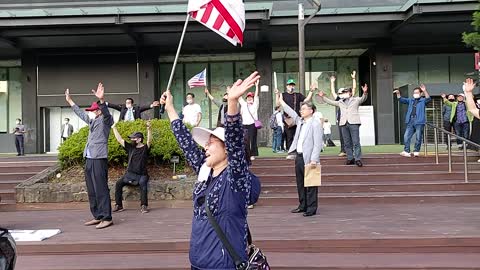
(318, 115)
(129, 115)
(327, 128)
(279, 118)
(190, 113)
(65, 131)
(301, 137)
(247, 110)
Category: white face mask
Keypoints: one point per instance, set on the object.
(18, 122)
(189, 101)
(129, 106)
(92, 115)
(65, 122)
(416, 96)
(344, 96)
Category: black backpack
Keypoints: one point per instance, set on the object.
(273, 121)
(8, 250)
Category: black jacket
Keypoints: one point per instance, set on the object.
(137, 110)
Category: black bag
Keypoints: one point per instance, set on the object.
(8, 250)
(256, 259)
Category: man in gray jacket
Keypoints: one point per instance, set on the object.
(100, 122)
(349, 122)
(307, 143)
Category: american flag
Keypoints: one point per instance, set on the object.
(225, 17)
(198, 80)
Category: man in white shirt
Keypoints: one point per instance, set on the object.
(67, 129)
(249, 112)
(327, 131)
(192, 112)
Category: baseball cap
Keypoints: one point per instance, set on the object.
(136, 135)
(250, 94)
(93, 108)
(290, 81)
(202, 135)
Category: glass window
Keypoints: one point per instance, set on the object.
(433, 68)
(14, 95)
(460, 65)
(177, 86)
(244, 69)
(322, 69)
(192, 69)
(220, 77)
(405, 70)
(345, 66)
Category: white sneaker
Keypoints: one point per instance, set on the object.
(478, 160)
(405, 154)
(416, 154)
(252, 158)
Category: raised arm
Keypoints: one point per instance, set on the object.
(365, 94)
(218, 104)
(149, 107)
(472, 108)
(321, 98)
(100, 94)
(149, 133)
(234, 141)
(425, 92)
(332, 87)
(354, 82)
(399, 97)
(446, 101)
(114, 106)
(81, 114)
(195, 157)
(257, 83)
(119, 138)
(313, 87)
(287, 109)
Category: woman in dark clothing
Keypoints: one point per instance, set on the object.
(225, 183)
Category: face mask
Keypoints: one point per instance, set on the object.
(189, 101)
(129, 106)
(224, 100)
(66, 122)
(344, 96)
(18, 122)
(451, 100)
(416, 96)
(92, 115)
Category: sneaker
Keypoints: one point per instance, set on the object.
(252, 158)
(251, 206)
(405, 154)
(342, 154)
(416, 154)
(118, 208)
(290, 157)
(144, 209)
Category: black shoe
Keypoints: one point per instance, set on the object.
(359, 163)
(460, 148)
(118, 208)
(297, 210)
(350, 162)
(309, 214)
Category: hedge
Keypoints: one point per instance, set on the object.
(164, 144)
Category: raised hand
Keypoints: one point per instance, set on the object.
(443, 96)
(206, 91)
(68, 98)
(354, 74)
(396, 91)
(240, 87)
(423, 87)
(100, 92)
(332, 79)
(155, 103)
(257, 83)
(469, 85)
(167, 99)
(365, 88)
(313, 86)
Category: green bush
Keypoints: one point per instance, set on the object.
(164, 145)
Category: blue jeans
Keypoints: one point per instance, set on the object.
(462, 130)
(413, 128)
(277, 139)
(351, 141)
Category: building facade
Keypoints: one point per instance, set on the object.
(129, 45)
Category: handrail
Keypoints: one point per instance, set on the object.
(449, 136)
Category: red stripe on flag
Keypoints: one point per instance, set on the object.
(207, 13)
(194, 14)
(218, 23)
(229, 19)
(230, 33)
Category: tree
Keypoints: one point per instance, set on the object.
(473, 39)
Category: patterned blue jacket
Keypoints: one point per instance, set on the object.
(229, 195)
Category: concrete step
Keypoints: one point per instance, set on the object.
(375, 197)
(24, 168)
(354, 187)
(360, 175)
(7, 205)
(277, 260)
(9, 184)
(7, 194)
(16, 176)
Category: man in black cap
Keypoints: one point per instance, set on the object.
(137, 167)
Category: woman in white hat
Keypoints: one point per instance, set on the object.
(224, 183)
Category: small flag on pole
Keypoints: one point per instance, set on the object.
(225, 17)
(198, 80)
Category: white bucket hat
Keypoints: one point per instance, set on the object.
(202, 135)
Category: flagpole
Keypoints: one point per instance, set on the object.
(162, 107)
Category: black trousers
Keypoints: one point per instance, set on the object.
(130, 179)
(252, 136)
(448, 127)
(96, 177)
(290, 135)
(342, 142)
(19, 144)
(307, 196)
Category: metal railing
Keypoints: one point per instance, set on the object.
(449, 134)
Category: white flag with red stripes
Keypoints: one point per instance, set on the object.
(225, 17)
